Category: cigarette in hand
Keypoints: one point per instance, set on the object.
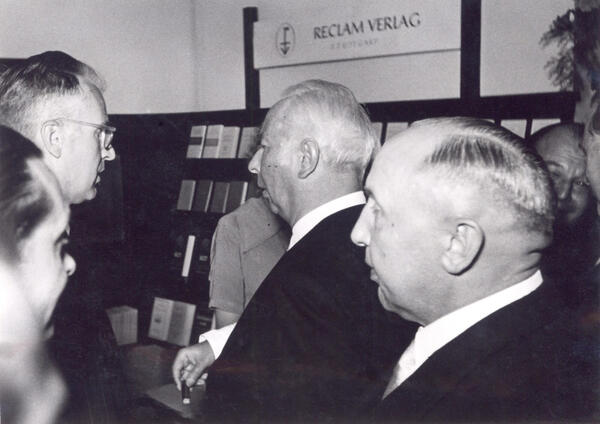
(185, 394)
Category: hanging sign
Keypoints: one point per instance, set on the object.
(377, 28)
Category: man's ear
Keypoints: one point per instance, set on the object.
(52, 139)
(309, 157)
(466, 242)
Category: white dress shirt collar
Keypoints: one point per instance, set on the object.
(311, 219)
(437, 334)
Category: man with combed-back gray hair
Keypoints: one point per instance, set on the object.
(457, 217)
(311, 346)
(56, 101)
(489, 157)
(347, 138)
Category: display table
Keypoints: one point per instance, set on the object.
(156, 398)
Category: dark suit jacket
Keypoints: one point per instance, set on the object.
(314, 341)
(524, 362)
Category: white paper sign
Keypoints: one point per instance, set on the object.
(379, 28)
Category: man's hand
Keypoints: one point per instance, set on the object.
(191, 362)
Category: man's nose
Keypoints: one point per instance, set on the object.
(70, 264)
(109, 154)
(360, 232)
(254, 164)
(562, 188)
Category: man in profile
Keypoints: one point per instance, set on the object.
(458, 213)
(56, 101)
(311, 346)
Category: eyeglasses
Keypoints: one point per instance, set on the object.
(105, 134)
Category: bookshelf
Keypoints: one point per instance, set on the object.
(153, 155)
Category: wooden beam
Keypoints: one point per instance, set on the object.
(470, 50)
(250, 74)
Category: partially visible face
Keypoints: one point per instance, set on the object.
(83, 154)
(566, 164)
(45, 265)
(399, 228)
(272, 163)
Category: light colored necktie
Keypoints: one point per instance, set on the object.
(403, 369)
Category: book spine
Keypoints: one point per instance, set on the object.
(180, 326)
(211, 142)
(186, 195)
(161, 318)
(197, 136)
(248, 142)
(209, 195)
(226, 199)
(393, 128)
(244, 192)
(203, 195)
(378, 127)
(219, 196)
(517, 126)
(228, 143)
(187, 259)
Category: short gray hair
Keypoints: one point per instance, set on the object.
(36, 82)
(333, 116)
(475, 151)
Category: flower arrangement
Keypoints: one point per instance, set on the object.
(577, 33)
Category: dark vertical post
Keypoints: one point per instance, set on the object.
(470, 50)
(250, 74)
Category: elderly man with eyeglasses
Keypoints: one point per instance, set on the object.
(56, 101)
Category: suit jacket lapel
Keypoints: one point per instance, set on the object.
(443, 372)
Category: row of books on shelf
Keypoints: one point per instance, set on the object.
(228, 142)
(214, 196)
(171, 321)
(517, 126)
(220, 141)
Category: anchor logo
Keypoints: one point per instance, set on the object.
(285, 39)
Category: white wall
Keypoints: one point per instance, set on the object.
(512, 59)
(419, 76)
(187, 55)
(143, 48)
(220, 54)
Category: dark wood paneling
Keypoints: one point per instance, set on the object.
(251, 78)
(470, 49)
(525, 106)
